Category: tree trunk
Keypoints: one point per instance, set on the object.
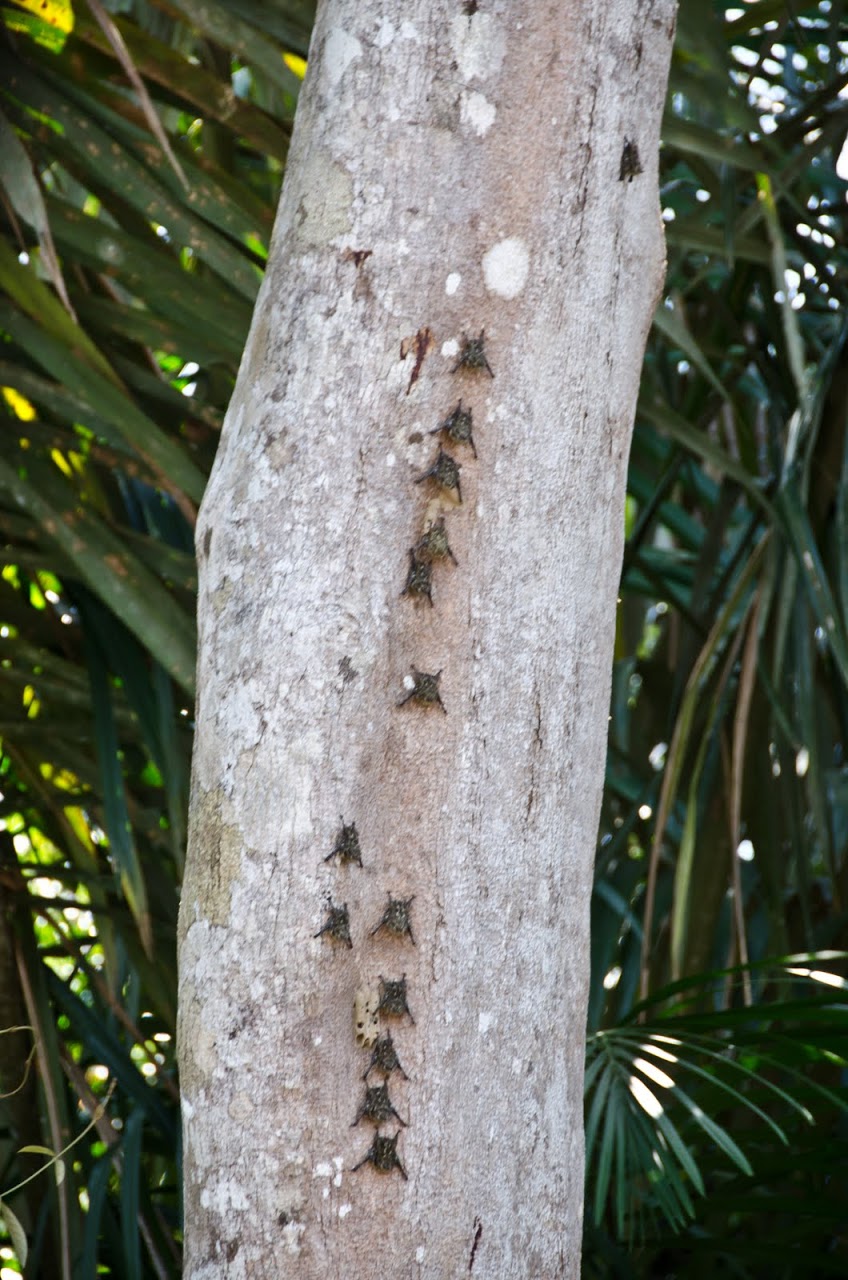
(458, 172)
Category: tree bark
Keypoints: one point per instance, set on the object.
(456, 170)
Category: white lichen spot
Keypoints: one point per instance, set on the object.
(450, 349)
(344, 1210)
(339, 52)
(390, 460)
(408, 31)
(419, 1253)
(409, 682)
(187, 1108)
(339, 1163)
(478, 45)
(478, 112)
(317, 1041)
(452, 283)
(485, 1021)
(292, 1232)
(325, 1194)
(516, 1066)
(224, 1196)
(323, 1170)
(505, 267)
(385, 35)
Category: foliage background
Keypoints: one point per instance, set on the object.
(142, 146)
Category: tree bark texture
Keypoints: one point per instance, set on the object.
(457, 169)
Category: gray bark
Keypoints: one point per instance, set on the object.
(455, 168)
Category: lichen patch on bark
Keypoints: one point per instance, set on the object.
(506, 267)
(478, 44)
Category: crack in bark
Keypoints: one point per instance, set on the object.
(420, 344)
(478, 1232)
